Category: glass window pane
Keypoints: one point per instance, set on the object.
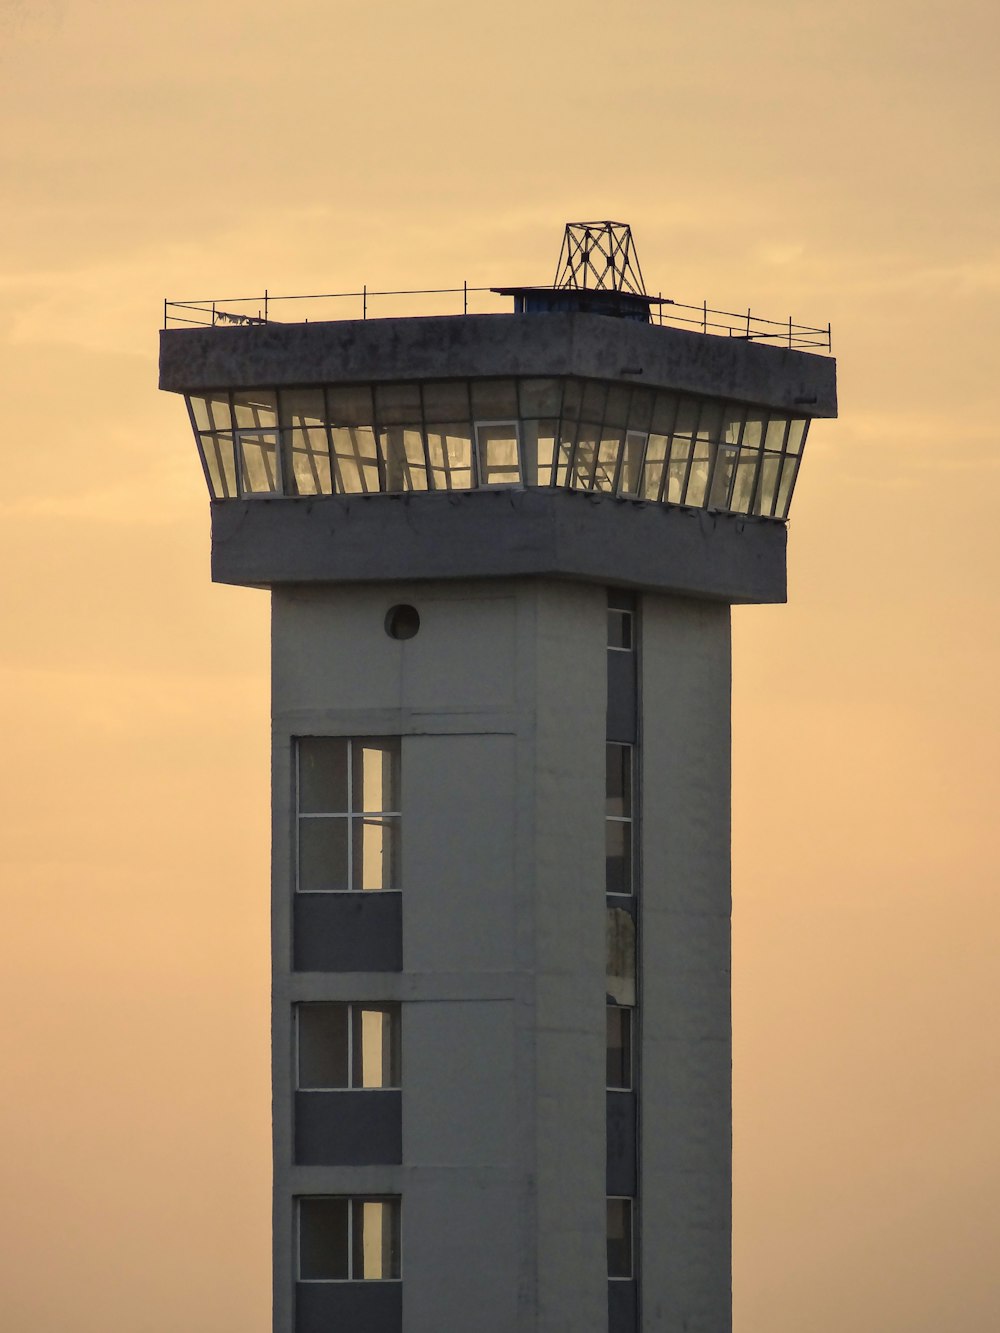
(585, 457)
(788, 470)
(323, 854)
(723, 477)
(616, 409)
(619, 780)
(746, 473)
(494, 399)
(753, 431)
(255, 408)
(323, 775)
(323, 1240)
(538, 446)
(572, 397)
(540, 398)
(396, 403)
(374, 846)
(350, 406)
(593, 401)
(403, 462)
(322, 1046)
(630, 477)
(260, 470)
(355, 457)
(620, 1238)
(697, 483)
(450, 450)
(302, 407)
(640, 412)
(220, 461)
(775, 435)
(619, 1047)
(376, 1239)
(677, 469)
(376, 1042)
(686, 421)
(309, 453)
(732, 423)
(796, 435)
(652, 468)
(710, 421)
(608, 452)
(620, 941)
(768, 484)
(211, 412)
(664, 413)
(376, 776)
(447, 400)
(497, 444)
(618, 855)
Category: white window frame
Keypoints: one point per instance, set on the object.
(350, 1005)
(480, 470)
(350, 1199)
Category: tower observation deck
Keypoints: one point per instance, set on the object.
(501, 549)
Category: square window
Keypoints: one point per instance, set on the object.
(342, 1239)
(498, 449)
(341, 1046)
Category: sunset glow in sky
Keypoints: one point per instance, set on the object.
(826, 161)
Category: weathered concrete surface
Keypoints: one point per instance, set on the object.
(459, 346)
(497, 534)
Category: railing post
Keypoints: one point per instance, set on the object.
(704, 316)
(465, 297)
(829, 340)
(748, 323)
(213, 314)
(265, 305)
(164, 312)
(789, 330)
(364, 301)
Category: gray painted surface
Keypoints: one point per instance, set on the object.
(622, 1306)
(621, 1173)
(348, 1307)
(621, 697)
(339, 1127)
(456, 346)
(493, 534)
(685, 1057)
(347, 932)
(500, 701)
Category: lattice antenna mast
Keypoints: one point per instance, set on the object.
(600, 256)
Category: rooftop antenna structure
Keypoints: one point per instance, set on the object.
(599, 256)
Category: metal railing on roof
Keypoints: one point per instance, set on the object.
(369, 303)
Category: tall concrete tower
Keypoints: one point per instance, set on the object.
(501, 550)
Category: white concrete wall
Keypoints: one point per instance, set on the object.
(500, 703)
(685, 1118)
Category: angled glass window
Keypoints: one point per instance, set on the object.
(259, 462)
(348, 1239)
(498, 453)
(619, 1048)
(341, 1046)
(620, 1238)
(347, 814)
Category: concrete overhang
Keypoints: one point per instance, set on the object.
(499, 534)
(474, 346)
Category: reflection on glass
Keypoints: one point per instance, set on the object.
(376, 1239)
(374, 852)
(619, 1048)
(620, 1238)
(450, 435)
(789, 467)
(323, 775)
(324, 854)
(260, 469)
(449, 448)
(497, 445)
(618, 780)
(342, 1046)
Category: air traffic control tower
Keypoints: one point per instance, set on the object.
(501, 550)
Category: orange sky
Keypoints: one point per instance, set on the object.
(826, 161)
